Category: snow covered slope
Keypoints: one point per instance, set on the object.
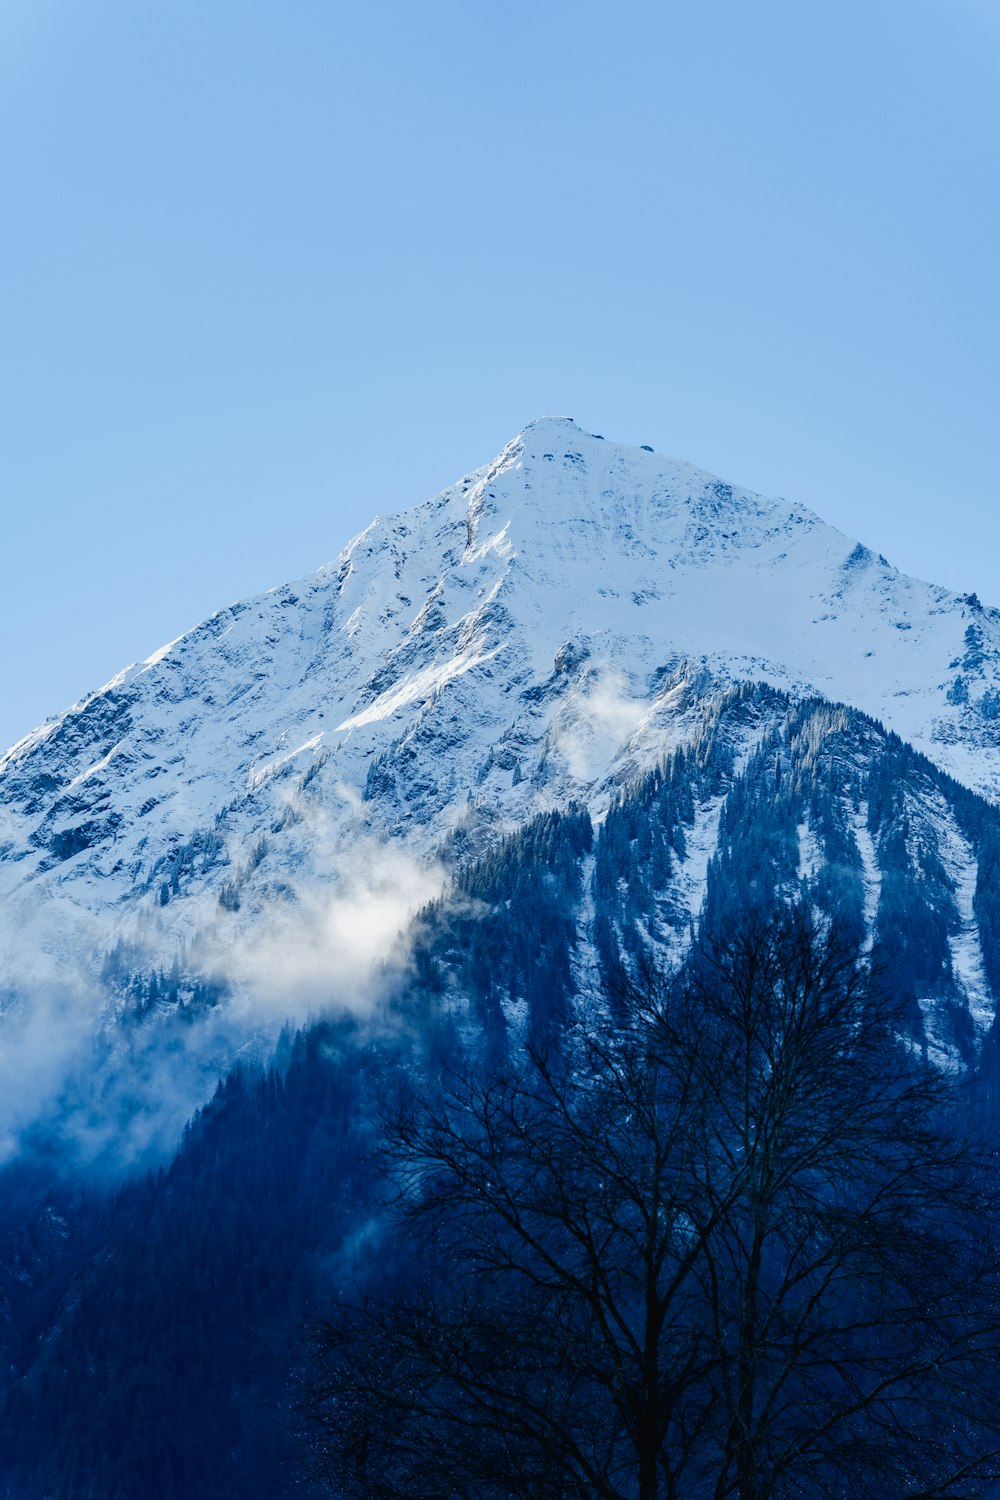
(517, 641)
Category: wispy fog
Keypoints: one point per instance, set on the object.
(596, 722)
(81, 1069)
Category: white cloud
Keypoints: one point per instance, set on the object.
(599, 718)
(332, 945)
(116, 1089)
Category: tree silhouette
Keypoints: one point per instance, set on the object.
(731, 1246)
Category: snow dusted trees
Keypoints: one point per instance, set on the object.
(730, 1247)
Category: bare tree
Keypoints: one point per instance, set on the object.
(732, 1247)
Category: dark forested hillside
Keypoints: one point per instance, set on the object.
(167, 1359)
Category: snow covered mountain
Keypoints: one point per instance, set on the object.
(513, 643)
(579, 706)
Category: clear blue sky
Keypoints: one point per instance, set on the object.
(266, 269)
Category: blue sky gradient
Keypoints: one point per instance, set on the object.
(268, 269)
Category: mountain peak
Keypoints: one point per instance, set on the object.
(557, 489)
(552, 436)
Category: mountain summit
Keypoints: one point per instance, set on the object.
(528, 637)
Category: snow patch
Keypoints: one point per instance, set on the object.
(811, 858)
(871, 874)
(968, 966)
